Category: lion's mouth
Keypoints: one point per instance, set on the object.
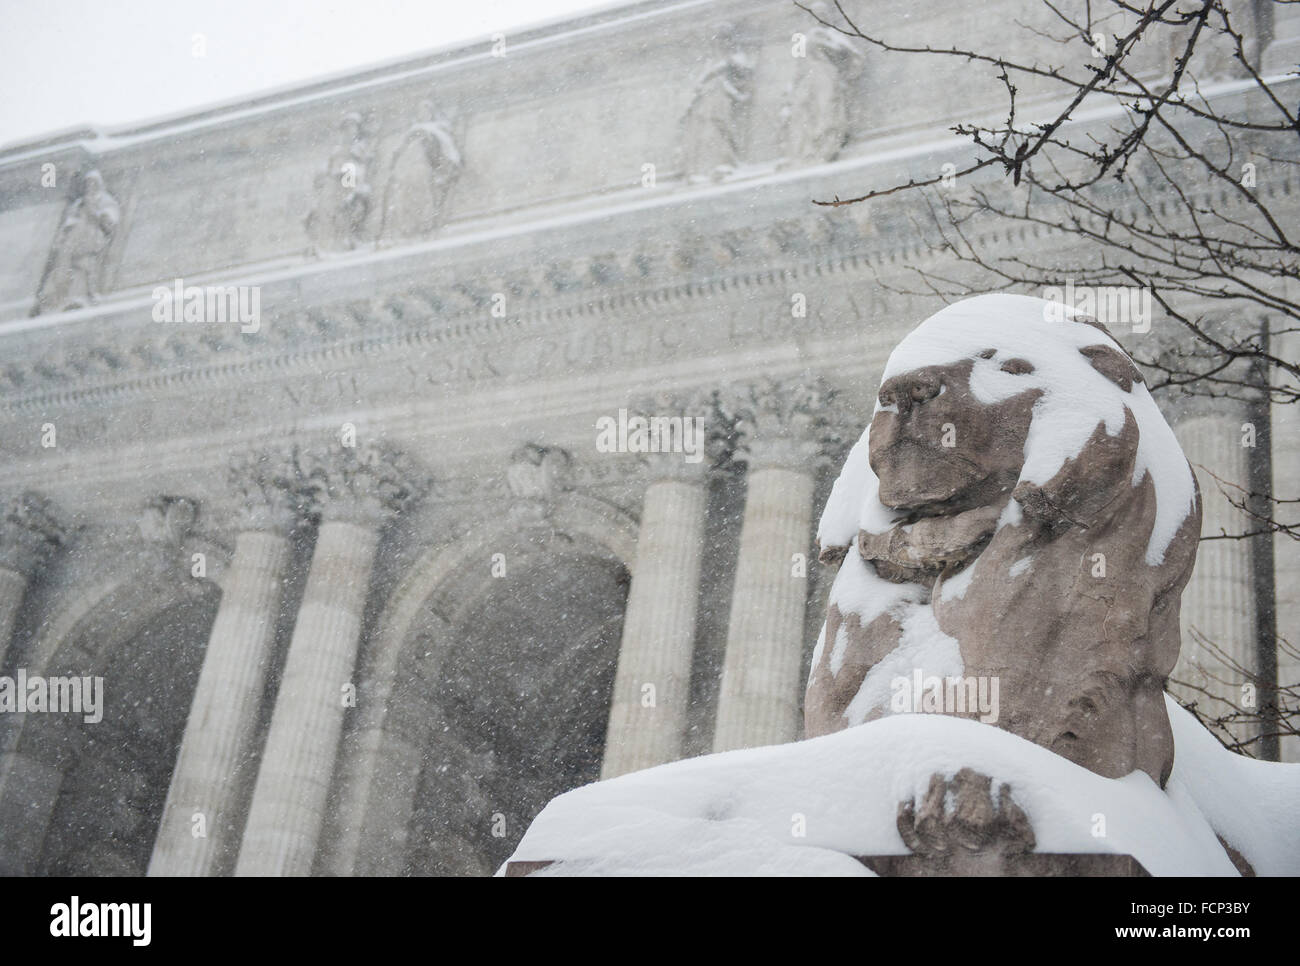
(930, 545)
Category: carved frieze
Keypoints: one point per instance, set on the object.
(454, 315)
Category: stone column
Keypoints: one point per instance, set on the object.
(1219, 602)
(1286, 551)
(29, 790)
(356, 494)
(761, 676)
(652, 687)
(29, 534)
(220, 730)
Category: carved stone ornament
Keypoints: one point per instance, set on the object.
(366, 485)
(536, 476)
(30, 533)
(781, 423)
(272, 498)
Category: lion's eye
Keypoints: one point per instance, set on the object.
(922, 392)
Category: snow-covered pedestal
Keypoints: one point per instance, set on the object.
(812, 807)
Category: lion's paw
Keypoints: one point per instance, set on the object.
(959, 815)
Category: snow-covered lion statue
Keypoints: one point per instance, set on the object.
(1019, 515)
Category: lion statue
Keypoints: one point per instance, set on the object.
(1018, 513)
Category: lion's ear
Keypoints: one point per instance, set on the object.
(1086, 483)
(1114, 365)
(831, 556)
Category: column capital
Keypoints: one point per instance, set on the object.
(30, 532)
(272, 498)
(781, 423)
(704, 434)
(367, 485)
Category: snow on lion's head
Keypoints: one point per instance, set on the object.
(1019, 486)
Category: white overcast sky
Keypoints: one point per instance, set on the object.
(65, 63)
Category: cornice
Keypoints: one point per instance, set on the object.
(343, 333)
(347, 332)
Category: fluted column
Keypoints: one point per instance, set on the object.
(652, 687)
(29, 534)
(759, 699)
(356, 494)
(1219, 602)
(1286, 551)
(199, 832)
(29, 790)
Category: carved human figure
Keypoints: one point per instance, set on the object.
(72, 274)
(424, 168)
(816, 109)
(342, 192)
(1017, 512)
(713, 125)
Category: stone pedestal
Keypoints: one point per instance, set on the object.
(1072, 865)
(759, 699)
(652, 687)
(1035, 864)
